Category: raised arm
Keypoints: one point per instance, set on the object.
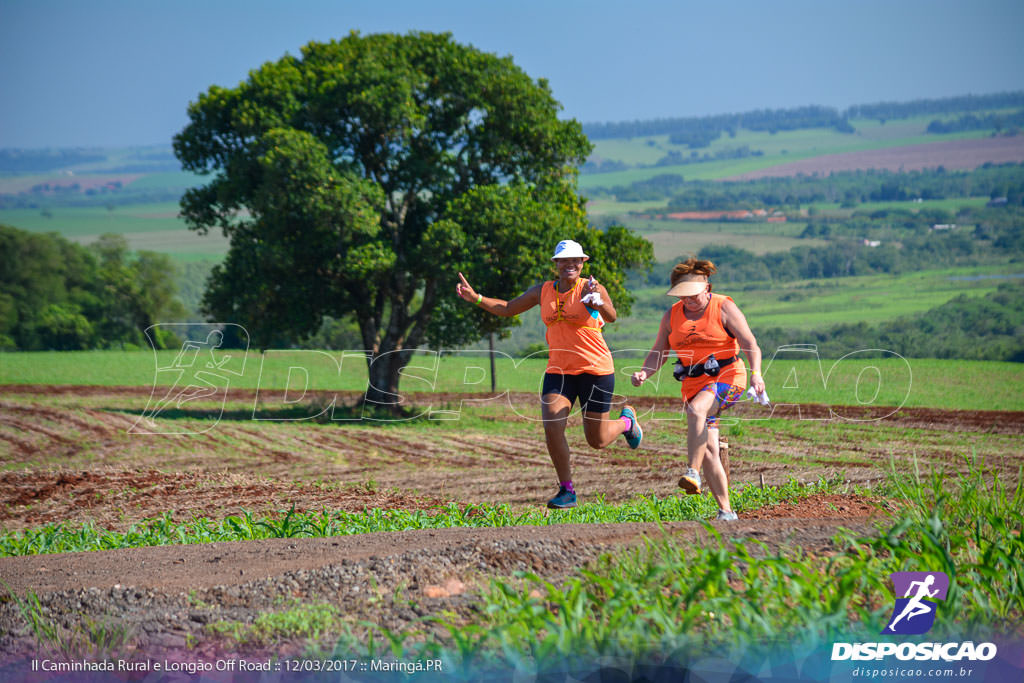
(656, 357)
(499, 307)
(734, 321)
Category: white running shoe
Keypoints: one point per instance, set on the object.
(690, 481)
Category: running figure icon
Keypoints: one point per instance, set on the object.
(202, 370)
(916, 607)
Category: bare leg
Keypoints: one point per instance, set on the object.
(723, 455)
(697, 411)
(714, 446)
(600, 429)
(555, 411)
(714, 471)
(713, 442)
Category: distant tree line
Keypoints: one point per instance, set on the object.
(966, 327)
(1010, 123)
(65, 196)
(57, 295)
(887, 111)
(658, 187)
(697, 132)
(848, 187)
(999, 230)
(846, 258)
(142, 160)
(700, 131)
(673, 158)
(593, 165)
(997, 236)
(677, 158)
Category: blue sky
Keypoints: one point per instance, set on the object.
(122, 72)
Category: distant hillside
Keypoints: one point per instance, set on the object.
(952, 133)
(150, 159)
(42, 160)
(948, 154)
(699, 131)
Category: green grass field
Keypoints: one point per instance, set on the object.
(178, 180)
(669, 244)
(742, 229)
(779, 148)
(793, 377)
(822, 303)
(153, 227)
(869, 134)
(77, 222)
(673, 238)
(952, 205)
(608, 207)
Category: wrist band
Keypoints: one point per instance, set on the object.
(754, 372)
(479, 298)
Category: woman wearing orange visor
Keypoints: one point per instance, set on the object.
(707, 331)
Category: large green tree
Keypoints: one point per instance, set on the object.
(361, 176)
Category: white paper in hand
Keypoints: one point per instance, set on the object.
(593, 298)
(759, 398)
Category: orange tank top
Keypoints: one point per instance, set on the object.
(575, 342)
(695, 340)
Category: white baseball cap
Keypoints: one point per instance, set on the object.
(569, 249)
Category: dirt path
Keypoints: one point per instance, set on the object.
(189, 567)
(165, 598)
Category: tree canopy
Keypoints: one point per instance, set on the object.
(56, 295)
(359, 177)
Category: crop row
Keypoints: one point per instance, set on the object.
(164, 530)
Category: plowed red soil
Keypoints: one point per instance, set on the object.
(950, 154)
(68, 457)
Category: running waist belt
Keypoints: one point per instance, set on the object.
(710, 367)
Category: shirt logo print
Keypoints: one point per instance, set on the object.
(559, 310)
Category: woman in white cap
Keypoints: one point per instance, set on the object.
(579, 363)
(707, 332)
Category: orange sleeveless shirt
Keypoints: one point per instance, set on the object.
(695, 340)
(575, 342)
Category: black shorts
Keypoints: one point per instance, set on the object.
(594, 391)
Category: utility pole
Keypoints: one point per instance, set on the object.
(494, 380)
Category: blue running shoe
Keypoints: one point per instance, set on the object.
(564, 499)
(635, 434)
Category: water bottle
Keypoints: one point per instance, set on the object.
(679, 371)
(711, 366)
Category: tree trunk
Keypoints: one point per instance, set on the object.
(393, 350)
(383, 372)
